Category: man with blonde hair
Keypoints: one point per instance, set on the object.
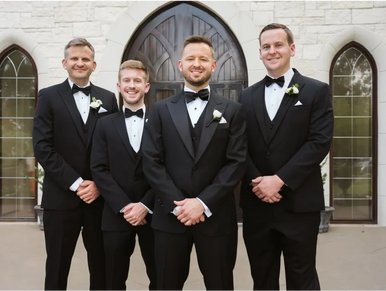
(116, 164)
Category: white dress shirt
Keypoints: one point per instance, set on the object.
(134, 126)
(196, 107)
(82, 102)
(274, 94)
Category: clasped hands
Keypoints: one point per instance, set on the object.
(267, 188)
(191, 211)
(87, 191)
(135, 213)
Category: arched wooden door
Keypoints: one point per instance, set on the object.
(158, 42)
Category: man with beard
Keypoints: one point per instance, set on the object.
(194, 155)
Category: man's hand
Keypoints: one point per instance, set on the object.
(88, 191)
(267, 188)
(191, 211)
(135, 214)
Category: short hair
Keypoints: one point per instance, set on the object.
(78, 42)
(290, 36)
(197, 39)
(134, 64)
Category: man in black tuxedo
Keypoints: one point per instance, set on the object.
(116, 165)
(64, 123)
(194, 151)
(290, 127)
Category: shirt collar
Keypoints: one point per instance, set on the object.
(72, 83)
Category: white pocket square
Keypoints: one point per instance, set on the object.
(223, 120)
(298, 103)
(101, 110)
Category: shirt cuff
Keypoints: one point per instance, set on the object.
(207, 211)
(76, 184)
(175, 210)
(148, 209)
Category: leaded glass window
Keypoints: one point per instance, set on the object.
(17, 163)
(352, 152)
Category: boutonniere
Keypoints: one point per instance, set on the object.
(96, 103)
(293, 90)
(216, 116)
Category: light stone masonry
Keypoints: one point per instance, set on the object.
(314, 13)
(8, 20)
(69, 14)
(308, 20)
(108, 14)
(311, 52)
(311, 38)
(265, 6)
(88, 29)
(338, 16)
(324, 4)
(292, 9)
(352, 4)
(42, 12)
(263, 18)
(37, 22)
(375, 15)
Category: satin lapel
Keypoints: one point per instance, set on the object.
(120, 125)
(209, 127)
(286, 103)
(180, 116)
(140, 148)
(68, 99)
(93, 114)
(259, 105)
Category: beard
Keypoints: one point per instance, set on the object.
(197, 82)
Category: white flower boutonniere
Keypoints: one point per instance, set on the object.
(216, 116)
(293, 90)
(96, 103)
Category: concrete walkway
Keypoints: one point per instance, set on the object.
(349, 258)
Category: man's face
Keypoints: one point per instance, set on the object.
(79, 64)
(197, 65)
(133, 87)
(276, 52)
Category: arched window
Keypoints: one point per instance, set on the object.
(354, 162)
(17, 164)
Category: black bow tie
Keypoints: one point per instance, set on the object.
(203, 94)
(129, 113)
(85, 90)
(269, 81)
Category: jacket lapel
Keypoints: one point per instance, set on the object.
(144, 124)
(287, 102)
(68, 99)
(120, 125)
(258, 100)
(209, 127)
(180, 116)
(93, 114)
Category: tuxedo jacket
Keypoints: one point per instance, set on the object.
(291, 146)
(62, 142)
(176, 171)
(117, 171)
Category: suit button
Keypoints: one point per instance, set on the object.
(194, 168)
(135, 178)
(268, 153)
(271, 126)
(193, 138)
(85, 130)
(160, 202)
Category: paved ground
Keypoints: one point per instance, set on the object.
(349, 258)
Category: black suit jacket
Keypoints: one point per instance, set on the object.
(175, 172)
(117, 171)
(60, 144)
(295, 146)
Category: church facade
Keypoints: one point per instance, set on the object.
(342, 43)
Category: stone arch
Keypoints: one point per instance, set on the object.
(12, 36)
(376, 46)
(125, 26)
